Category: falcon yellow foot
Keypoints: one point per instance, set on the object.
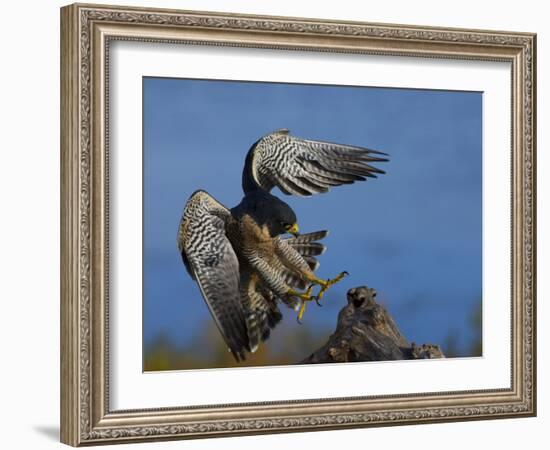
(304, 297)
(325, 284)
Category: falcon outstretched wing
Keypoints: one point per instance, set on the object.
(305, 167)
(211, 261)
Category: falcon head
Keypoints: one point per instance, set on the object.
(277, 216)
(270, 212)
(281, 219)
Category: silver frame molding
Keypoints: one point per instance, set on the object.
(86, 32)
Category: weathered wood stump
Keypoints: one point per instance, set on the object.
(366, 332)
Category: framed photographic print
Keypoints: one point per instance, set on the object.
(277, 224)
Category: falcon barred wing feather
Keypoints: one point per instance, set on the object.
(308, 247)
(305, 167)
(212, 262)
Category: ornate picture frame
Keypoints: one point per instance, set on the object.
(87, 32)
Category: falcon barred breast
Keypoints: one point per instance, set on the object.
(240, 258)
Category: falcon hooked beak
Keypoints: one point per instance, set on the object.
(293, 229)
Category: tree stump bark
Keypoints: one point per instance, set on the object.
(366, 332)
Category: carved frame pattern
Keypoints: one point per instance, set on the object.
(87, 31)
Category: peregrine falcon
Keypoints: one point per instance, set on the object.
(240, 258)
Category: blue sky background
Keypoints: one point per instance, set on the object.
(414, 234)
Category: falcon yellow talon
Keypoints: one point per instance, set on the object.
(301, 312)
(318, 281)
(304, 296)
(328, 283)
(338, 278)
